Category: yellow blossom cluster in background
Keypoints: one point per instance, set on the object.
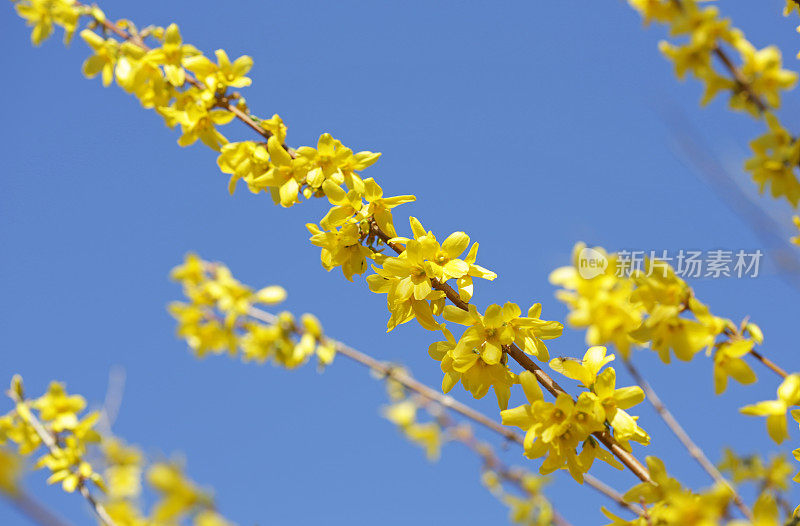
(216, 319)
(754, 80)
(83, 459)
(653, 307)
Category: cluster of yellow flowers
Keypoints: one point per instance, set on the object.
(54, 421)
(666, 501)
(556, 429)
(477, 359)
(656, 308)
(755, 81)
(402, 412)
(772, 476)
(179, 500)
(527, 505)
(218, 319)
(529, 509)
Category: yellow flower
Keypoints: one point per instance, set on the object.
(668, 331)
(124, 469)
(476, 377)
(285, 175)
(171, 55)
(615, 402)
(728, 363)
(602, 304)
(763, 70)
(427, 435)
(776, 153)
(775, 410)
(42, 14)
(59, 408)
(584, 371)
(379, 207)
(401, 414)
(179, 496)
(328, 157)
(341, 248)
(197, 122)
(557, 429)
(658, 10)
(104, 58)
(224, 73)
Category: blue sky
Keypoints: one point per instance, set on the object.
(529, 125)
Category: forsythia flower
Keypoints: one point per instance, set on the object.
(171, 55)
(728, 363)
(197, 122)
(557, 429)
(602, 304)
(776, 154)
(213, 320)
(42, 14)
(428, 435)
(603, 386)
(476, 376)
(341, 247)
(477, 359)
(669, 503)
(775, 410)
(773, 476)
(223, 73)
(104, 59)
(66, 456)
(178, 495)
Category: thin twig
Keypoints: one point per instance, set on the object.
(769, 363)
(694, 450)
(35, 510)
(463, 434)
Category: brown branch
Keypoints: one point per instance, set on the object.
(694, 450)
(400, 376)
(740, 80)
(522, 359)
(606, 438)
(769, 363)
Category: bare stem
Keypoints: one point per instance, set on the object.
(772, 366)
(491, 462)
(694, 450)
(35, 510)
